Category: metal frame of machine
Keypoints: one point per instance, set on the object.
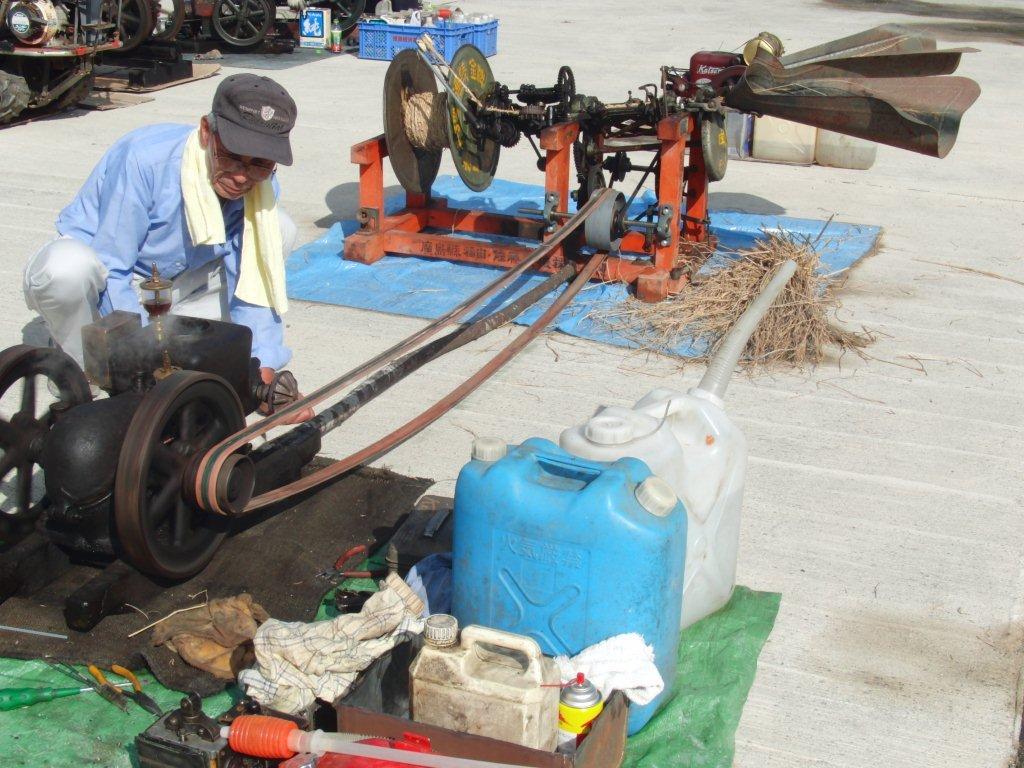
(406, 231)
(884, 84)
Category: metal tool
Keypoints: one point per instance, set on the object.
(336, 573)
(108, 690)
(16, 698)
(111, 693)
(136, 694)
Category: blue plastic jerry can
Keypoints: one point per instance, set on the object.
(569, 551)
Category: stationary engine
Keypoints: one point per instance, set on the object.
(47, 50)
(115, 467)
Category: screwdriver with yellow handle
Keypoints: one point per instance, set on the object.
(15, 698)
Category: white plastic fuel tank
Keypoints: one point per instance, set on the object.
(840, 151)
(691, 443)
(782, 141)
(688, 440)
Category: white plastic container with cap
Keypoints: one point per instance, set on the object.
(688, 440)
(488, 683)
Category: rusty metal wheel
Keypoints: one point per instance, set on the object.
(26, 417)
(159, 529)
(243, 23)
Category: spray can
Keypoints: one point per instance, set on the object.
(336, 36)
(578, 708)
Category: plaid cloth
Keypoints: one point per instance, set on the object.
(297, 663)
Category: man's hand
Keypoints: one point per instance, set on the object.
(267, 375)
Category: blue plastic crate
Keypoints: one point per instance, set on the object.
(383, 41)
(485, 37)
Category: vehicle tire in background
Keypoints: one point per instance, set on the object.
(14, 96)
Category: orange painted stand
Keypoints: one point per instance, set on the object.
(662, 273)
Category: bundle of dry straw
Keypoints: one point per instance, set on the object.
(798, 330)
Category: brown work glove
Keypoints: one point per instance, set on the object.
(216, 638)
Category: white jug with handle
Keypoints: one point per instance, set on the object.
(688, 440)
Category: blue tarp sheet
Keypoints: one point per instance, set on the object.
(428, 287)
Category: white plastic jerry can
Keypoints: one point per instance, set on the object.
(487, 683)
(691, 443)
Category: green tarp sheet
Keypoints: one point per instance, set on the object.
(717, 663)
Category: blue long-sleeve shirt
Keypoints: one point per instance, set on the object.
(130, 211)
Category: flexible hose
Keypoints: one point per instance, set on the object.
(716, 378)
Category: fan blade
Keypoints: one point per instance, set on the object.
(886, 39)
(920, 114)
(921, 64)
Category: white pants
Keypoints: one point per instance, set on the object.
(64, 279)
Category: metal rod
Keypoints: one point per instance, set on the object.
(26, 631)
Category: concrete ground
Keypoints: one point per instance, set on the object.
(884, 495)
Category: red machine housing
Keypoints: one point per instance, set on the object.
(716, 67)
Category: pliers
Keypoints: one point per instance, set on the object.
(336, 573)
(135, 694)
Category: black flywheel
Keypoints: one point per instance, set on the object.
(160, 531)
(30, 377)
(136, 22)
(243, 23)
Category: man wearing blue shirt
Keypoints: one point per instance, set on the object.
(200, 204)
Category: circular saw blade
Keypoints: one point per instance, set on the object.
(416, 168)
(475, 155)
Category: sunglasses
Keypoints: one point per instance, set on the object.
(253, 167)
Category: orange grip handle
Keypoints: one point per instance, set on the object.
(97, 673)
(128, 675)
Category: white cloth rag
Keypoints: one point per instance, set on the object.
(297, 663)
(620, 663)
(261, 276)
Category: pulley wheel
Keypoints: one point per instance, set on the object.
(135, 24)
(604, 228)
(160, 532)
(415, 168)
(243, 23)
(32, 376)
(714, 144)
(475, 155)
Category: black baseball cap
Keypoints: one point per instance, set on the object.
(254, 117)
